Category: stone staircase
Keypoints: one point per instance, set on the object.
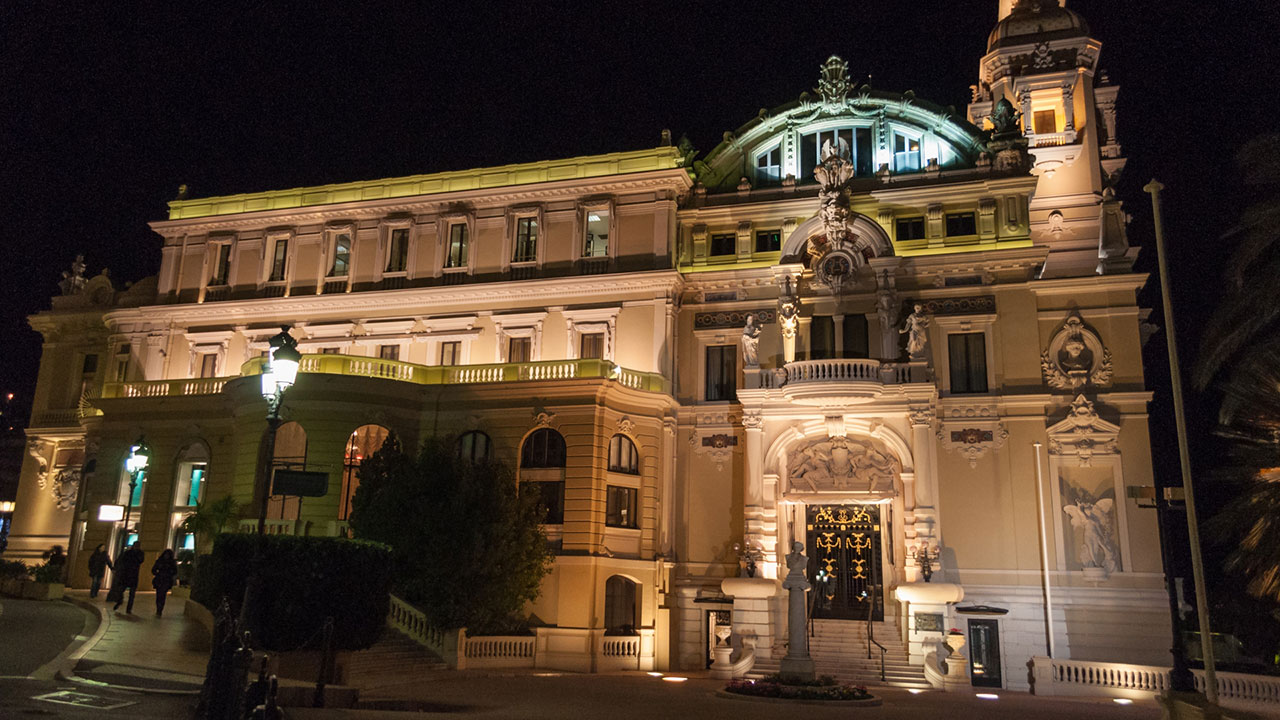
(839, 648)
(394, 660)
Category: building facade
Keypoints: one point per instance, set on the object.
(905, 338)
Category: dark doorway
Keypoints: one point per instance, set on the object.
(844, 565)
(984, 653)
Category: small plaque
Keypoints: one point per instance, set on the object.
(300, 483)
(928, 622)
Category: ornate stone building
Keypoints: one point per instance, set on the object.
(902, 336)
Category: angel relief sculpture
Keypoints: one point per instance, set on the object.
(1093, 523)
(839, 463)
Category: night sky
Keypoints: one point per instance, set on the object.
(107, 109)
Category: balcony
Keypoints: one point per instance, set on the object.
(837, 381)
(407, 372)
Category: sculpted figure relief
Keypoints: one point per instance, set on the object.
(1097, 543)
(841, 464)
(751, 343)
(916, 330)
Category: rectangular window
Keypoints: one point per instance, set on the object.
(389, 352)
(458, 238)
(519, 349)
(768, 241)
(1044, 122)
(858, 141)
(967, 353)
(959, 224)
(221, 264)
(591, 345)
(597, 239)
(724, 244)
(906, 153)
(526, 249)
(910, 228)
(209, 365)
(552, 495)
(122, 368)
(398, 250)
(90, 365)
(855, 336)
(822, 337)
(329, 351)
(769, 167)
(620, 507)
(279, 256)
(722, 372)
(341, 256)
(451, 352)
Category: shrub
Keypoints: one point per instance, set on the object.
(14, 570)
(308, 579)
(186, 566)
(48, 572)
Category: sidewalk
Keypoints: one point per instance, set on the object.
(141, 651)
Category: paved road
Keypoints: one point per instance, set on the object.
(18, 699)
(33, 632)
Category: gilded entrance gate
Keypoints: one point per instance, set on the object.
(844, 565)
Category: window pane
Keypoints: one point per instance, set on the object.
(526, 249)
(398, 252)
(208, 365)
(724, 244)
(518, 349)
(450, 352)
(768, 241)
(592, 346)
(722, 373)
(961, 224)
(822, 337)
(196, 490)
(620, 507)
(863, 157)
(910, 229)
(1044, 122)
(855, 336)
(278, 258)
(551, 495)
(389, 352)
(341, 256)
(458, 238)
(221, 265)
(967, 353)
(597, 239)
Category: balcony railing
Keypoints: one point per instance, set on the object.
(164, 388)
(1039, 140)
(798, 377)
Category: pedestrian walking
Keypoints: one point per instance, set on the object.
(163, 571)
(127, 567)
(99, 561)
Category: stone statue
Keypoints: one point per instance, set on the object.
(916, 329)
(797, 569)
(840, 463)
(73, 281)
(1097, 545)
(1004, 120)
(751, 343)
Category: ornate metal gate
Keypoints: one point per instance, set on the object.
(844, 565)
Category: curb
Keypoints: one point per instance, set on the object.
(67, 660)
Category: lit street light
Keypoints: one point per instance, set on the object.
(278, 376)
(136, 464)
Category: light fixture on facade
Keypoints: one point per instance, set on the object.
(110, 513)
(6, 507)
(139, 456)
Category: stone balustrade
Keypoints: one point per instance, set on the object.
(1085, 677)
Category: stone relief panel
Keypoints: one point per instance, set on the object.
(1088, 498)
(839, 463)
(1076, 358)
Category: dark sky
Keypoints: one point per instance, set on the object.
(107, 109)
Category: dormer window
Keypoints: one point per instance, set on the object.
(596, 242)
(526, 245)
(459, 239)
(769, 167)
(341, 266)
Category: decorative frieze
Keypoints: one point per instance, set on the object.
(732, 318)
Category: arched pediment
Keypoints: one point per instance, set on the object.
(867, 233)
(884, 129)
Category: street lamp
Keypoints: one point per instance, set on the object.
(278, 376)
(136, 464)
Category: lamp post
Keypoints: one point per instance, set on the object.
(278, 376)
(136, 464)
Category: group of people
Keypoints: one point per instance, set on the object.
(126, 569)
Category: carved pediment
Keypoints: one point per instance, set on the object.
(1083, 433)
(838, 463)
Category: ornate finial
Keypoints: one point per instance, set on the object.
(833, 85)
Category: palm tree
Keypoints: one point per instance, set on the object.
(208, 520)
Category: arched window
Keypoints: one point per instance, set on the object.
(188, 491)
(544, 448)
(364, 441)
(623, 457)
(619, 606)
(474, 446)
(291, 454)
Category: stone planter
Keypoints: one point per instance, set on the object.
(12, 587)
(33, 590)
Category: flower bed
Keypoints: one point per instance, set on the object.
(824, 689)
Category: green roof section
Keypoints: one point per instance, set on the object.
(578, 168)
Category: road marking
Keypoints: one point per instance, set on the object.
(79, 699)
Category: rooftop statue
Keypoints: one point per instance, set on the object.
(73, 281)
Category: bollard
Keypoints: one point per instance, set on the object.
(326, 663)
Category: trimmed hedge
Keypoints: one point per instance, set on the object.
(308, 579)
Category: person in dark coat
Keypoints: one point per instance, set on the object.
(163, 571)
(99, 561)
(127, 567)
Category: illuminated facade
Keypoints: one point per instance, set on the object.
(846, 326)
